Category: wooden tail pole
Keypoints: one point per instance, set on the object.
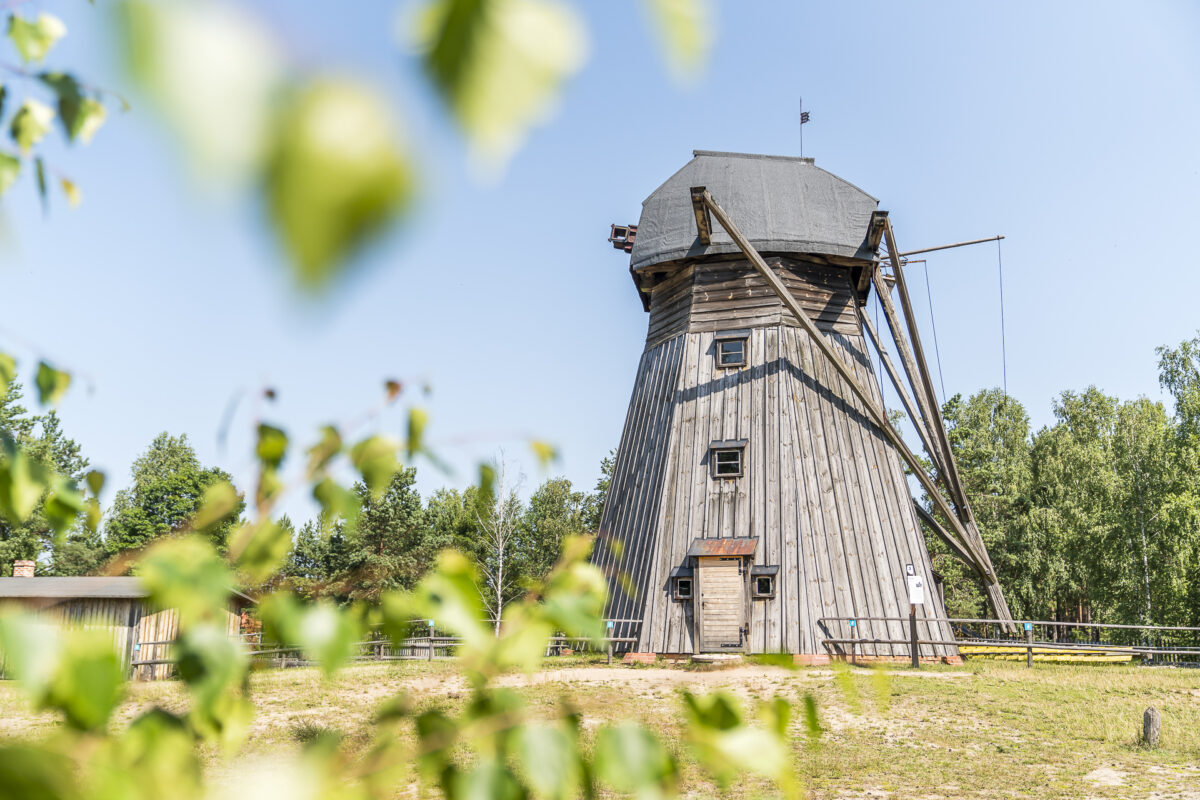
(922, 383)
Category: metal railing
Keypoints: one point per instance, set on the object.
(1041, 639)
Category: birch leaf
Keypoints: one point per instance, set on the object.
(52, 384)
(30, 124)
(74, 196)
(335, 178)
(499, 65)
(685, 29)
(33, 40)
(10, 168)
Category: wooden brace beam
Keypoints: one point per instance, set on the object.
(876, 414)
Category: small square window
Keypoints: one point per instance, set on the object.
(731, 353)
(683, 588)
(727, 462)
(764, 585)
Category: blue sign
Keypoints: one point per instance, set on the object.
(853, 623)
(1028, 626)
(431, 623)
(610, 623)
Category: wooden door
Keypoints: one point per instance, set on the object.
(721, 583)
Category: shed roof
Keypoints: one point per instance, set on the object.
(110, 588)
(744, 546)
(781, 204)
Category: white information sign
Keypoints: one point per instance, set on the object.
(916, 590)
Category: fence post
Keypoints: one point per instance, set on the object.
(854, 642)
(610, 652)
(1029, 645)
(912, 635)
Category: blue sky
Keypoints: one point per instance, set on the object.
(1068, 127)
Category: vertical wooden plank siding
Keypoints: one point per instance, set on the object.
(822, 490)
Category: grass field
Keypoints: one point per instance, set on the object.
(984, 730)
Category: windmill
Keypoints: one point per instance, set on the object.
(758, 499)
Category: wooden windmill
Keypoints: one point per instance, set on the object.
(759, 499)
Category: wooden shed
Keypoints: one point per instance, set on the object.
(118, 604)
(758, 500)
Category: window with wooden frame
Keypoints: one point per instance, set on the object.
(727, 459)
(681, 584)
(732, 348)
(762, 582)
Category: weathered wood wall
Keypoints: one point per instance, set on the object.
(713, 296)
(822, 489)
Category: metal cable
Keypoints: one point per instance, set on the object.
(1003, 343)
(933, 324)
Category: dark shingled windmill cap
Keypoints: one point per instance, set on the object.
(781, 204)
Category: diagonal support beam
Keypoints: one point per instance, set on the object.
(847, 374)
(944, 535)
(898, 385)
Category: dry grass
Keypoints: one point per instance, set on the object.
(984, 730)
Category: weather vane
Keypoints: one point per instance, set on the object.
(803, 120)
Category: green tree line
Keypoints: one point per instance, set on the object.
(1095, 517)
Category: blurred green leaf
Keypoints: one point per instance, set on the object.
(375, 459)
(30, 124)
(685, 28)
(211, 70)
(81, 116)
(52, 384)
(812, 724)
(62, 507)
(272, 445)
(414, 443)
(213, 666)
(335, 177)
(549, 758)
(575, 592)
(22, 482)
(337, 501)
(328, 634)
(844, 679)
(450, 595)
(89, 681)
(499, 64)
(881, 682)
(320, 454)
(71, 192)
(259, 549)
(30, 651)
(33, 40)
(39, 172)
(186, 573)
(72, 670)
(95, 481)
(35, 772)
(8, 370)
(487, 780)
(487, 484)
(632, 760)
(10, 169)
(219, 502)
(546, 453)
